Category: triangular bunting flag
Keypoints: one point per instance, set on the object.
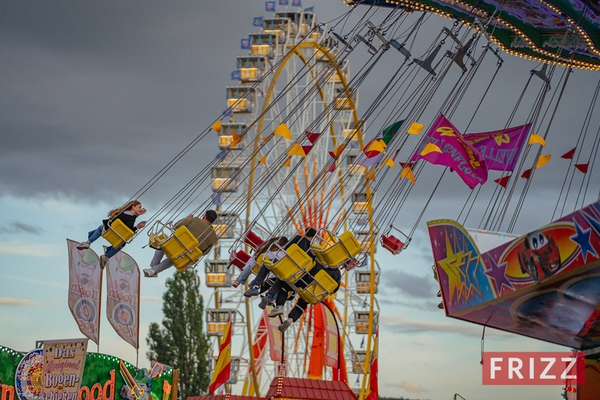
(287, 162)
(415, 128)
(296, 150)
(407, 164)
(582, 167)
(283, 131)
(307, 149)
(569, 154)
(338, 150)
(376, 146)
(542, 160)
(371, 175)
(332, 154)
(236, 139)
(535, 138)
(216, 126)
(502, 181)
(332, 167)
(526, 174)
(263, 160)
(389, 162)
(390, 131)
(265, 139)
(312, 136)
(430, 148)
(408, 174)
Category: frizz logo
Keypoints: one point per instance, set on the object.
(533, 368)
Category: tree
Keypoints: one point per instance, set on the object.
(181, 341)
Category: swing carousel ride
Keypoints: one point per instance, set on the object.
(295, 150)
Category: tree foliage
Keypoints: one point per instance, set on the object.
(181, 341)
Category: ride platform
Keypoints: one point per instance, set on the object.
(544, 285)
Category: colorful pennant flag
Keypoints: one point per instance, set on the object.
(408, 174)
(373, 152)
(455, 153)
(415, 128)
(216, 126)
(501, 148)
(263, 160)
(283, 131)
(569, 154)
(312, 136)
(536, 139)
(502, 181)
(307, 149)
(582, 167)
(222, 371)
(542, 160)
(296, 150)
(287, 162)
(526, 174)
(373, 390)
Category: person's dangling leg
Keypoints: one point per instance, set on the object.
(92, 236)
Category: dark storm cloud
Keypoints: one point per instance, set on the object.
(99, 95)
(16, 227)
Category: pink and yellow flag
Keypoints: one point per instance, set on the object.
(456, 153)
(500, 148)
(222, 371)
(274, 335)
(122, 299)
(85, 290)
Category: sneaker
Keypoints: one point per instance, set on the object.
(83, 246)
(103, 261)
(263, 303)
(275, 312)
(150, 273)
(254, 291)
(286, 324)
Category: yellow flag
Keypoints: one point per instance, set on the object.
(389, 162)
(283, 131)
(407, 173)
(263, 160)
(236, 139)
(535, 138)
(287, 162)
(415, 128)
(338, 150)
(265, 139)
(430, 148)
(296, 150)
(371, 175)
(376, 145)
(542, 160)
(216, 126)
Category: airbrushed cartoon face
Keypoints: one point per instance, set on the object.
(539, 256)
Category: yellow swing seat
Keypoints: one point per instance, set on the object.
(182, 249)
(292, 266)
(346, 246)
(322, 286)
(118, 233)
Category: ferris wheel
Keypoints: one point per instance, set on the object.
(288, 140)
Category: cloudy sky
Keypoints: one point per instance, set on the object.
(98, 96)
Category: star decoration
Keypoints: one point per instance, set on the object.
(498, 275)
(582, 238)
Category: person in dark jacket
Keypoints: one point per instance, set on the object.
(127, 214)
(202, 230)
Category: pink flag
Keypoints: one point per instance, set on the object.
(456, 153)
(123, 297)
(274, 335)
(500, 148)
(85, 290)
(331, 339)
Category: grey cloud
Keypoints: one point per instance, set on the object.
(411, 285)
(16, 227)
